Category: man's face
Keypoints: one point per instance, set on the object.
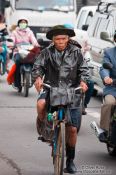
(60, 41)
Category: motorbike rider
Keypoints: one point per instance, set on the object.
(90, 83)
(3, 34)
(109, 91)
(22, 34)
(72, 73)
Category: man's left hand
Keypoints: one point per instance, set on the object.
(84, 86)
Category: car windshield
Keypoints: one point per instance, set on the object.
(45, 5)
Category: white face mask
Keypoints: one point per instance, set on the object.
(23, 26)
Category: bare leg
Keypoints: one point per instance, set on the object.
(41, 109)
(71, 136)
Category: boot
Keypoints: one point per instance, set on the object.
(70, 154)
(83, 111)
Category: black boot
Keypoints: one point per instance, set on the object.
(70, 166)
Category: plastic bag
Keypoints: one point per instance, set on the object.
(11, 67)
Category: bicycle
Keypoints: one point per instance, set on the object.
(57, 114)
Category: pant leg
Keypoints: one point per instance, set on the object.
(109, 100)
(89, 92)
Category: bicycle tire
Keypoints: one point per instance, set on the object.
(60, 151)
(111, 150)
(26, 84)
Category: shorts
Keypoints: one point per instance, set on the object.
(74, 114)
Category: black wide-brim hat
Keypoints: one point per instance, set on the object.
(59, 30)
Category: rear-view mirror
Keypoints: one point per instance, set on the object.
(105, 36)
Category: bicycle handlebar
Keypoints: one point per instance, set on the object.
(48, 86)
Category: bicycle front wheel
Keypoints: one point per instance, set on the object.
(60, 151)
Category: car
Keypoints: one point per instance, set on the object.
(82, 22)
(100, 36)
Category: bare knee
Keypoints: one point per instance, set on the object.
(73, 130)
(41, 104)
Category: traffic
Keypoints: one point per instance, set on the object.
(66, 69)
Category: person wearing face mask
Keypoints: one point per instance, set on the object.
(109, 91)
(22, 34)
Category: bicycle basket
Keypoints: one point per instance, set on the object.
(60, 96)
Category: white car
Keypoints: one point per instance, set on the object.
(83, 20)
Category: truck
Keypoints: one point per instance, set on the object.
(41, 14)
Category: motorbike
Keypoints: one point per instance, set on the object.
(110, 140)
(25, 68)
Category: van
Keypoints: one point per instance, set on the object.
(41, 14)
(100, 36)
(82, 22)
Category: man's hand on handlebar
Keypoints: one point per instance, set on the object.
(108, 80)
(84, 86)
(38, 84)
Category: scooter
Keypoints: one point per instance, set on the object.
(25, 69)
(111, 134)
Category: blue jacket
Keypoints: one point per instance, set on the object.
(109, 56)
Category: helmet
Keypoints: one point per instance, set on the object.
(24, 19)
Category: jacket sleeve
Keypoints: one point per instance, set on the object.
(83, 67)
(39, 66)
(33, 39)
(105, 72)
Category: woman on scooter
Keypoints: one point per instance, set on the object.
(22, 35)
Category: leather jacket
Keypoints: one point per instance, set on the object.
(61, 71)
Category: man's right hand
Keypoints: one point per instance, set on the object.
(108, 80)
(38, 84)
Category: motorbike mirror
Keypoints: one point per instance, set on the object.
(105, 36)
(107, 65)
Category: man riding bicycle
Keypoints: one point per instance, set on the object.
(62, 65)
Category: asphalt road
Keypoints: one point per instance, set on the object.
(22, 154)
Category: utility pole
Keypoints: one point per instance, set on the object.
(84, 2)
(3, 4)
(81, 3)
